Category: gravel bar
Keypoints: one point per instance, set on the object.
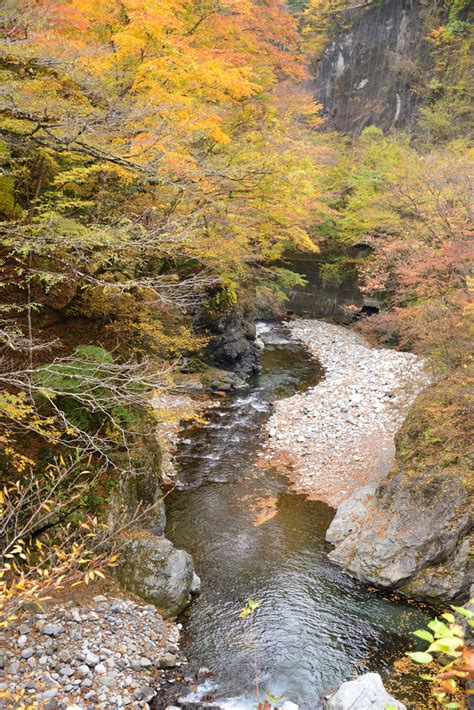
(339, 435)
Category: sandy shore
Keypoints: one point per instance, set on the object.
(339, 435)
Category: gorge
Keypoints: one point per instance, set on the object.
(236, 354)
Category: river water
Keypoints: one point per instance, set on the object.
(253, 539)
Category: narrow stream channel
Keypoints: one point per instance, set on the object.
(252, 538)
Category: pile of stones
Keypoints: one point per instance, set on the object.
(106, 653)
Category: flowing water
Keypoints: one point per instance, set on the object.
(252, 538)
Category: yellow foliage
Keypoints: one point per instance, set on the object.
(33, 569)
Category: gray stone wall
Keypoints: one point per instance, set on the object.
(370, 73)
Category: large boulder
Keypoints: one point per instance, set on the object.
(136, 499)
(444, 582)
(409, 535)
(232, 341)
(350, 515)
(153, 569)
(364, 693)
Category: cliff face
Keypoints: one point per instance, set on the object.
(368, 75)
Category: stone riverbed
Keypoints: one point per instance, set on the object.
(339, 435)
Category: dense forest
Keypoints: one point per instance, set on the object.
(162, 165)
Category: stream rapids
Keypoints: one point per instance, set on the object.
(251, 538)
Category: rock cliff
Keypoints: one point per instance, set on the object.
(232, 343)
(369, 74)
(412, 531)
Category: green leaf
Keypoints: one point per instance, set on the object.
(445, 645)
(420, 657)
(423, 634)
(464, 612)
(440, 630)
(452, 705)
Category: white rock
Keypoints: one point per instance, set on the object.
(364, 693)
(91, 659)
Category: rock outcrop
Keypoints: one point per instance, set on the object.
(412, 531)
(369, 73)
(153, 569)
(364, 693)
(149, 564)
(232, 343)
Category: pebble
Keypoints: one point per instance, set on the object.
(168, 660)
(48, 694)
(52, 629)
(145, 693)
(91, 659)
(67, 671)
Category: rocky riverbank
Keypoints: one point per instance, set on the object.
(104, 652)
(412, 530)
(339, 435)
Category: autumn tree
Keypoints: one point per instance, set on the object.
(147, 169)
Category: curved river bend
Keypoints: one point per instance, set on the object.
(251, 538)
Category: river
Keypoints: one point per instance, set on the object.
(253, 539)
